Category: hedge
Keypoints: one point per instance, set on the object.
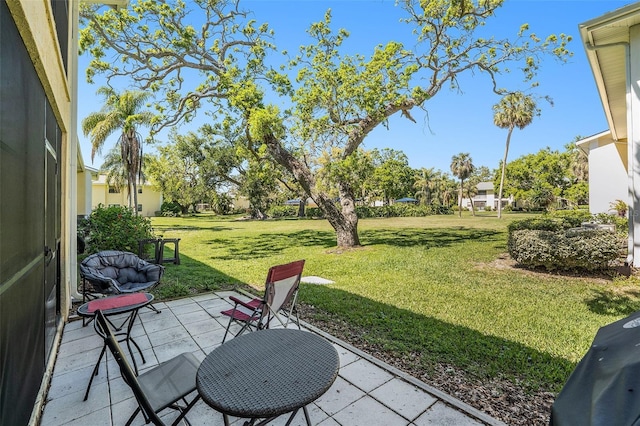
(363, 212)
(571, 249)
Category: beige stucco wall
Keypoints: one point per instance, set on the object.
(150, 199)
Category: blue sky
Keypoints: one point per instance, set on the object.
(456, 122)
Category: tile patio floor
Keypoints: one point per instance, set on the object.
(367, 391)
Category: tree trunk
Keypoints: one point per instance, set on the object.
(504, 168)
(301, 205)
(460, 198)
(347, 225)
(473, 210)
(344, 221)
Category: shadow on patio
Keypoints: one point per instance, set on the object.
(366, 392)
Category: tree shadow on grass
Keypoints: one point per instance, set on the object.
(615, 302)
(265, 244)
(406, 237)
(161, 229)
(383, 328)
(193, 277)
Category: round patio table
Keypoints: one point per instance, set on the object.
(267, 373)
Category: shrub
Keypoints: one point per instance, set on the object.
(282, 211)
(313, 212)
(572, 249)
(621, 223)
(170, 208)
(571, 218)
(365, 212)
(537, 223)
(114, 228)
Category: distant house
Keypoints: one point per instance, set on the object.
(486, 196)
(149, 200)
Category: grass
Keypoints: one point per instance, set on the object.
(420, 288)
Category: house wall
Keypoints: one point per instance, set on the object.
(150, 199)
(84, 191)
(486, 197)
(608, 179)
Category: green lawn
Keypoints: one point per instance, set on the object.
(425, 289)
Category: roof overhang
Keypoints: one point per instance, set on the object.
(603, 138)
(606, 41)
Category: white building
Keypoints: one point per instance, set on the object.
(612, 44)
(486, 196)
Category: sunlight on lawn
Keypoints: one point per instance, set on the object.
(417, 284)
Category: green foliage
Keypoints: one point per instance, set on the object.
(620, 207)
(364, 212)
(181, 168)
(170, 208)
(543, 179)
(567, 250)
(282, 211)
(621, 223)
(570, 218)
(221, 203)
(114, 228)
(402, 293)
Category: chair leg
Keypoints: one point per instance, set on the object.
(95, 371)
(153, 308)
(133, 416)
(185, 410)
(227, 331)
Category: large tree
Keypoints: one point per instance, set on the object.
(336, 100)
(514, 110)
(392, 177)
(541, 178)
(122, 112)
(462, 167)
(177, 170)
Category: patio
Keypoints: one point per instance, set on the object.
(366, 392)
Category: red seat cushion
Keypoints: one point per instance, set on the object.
(116, 302)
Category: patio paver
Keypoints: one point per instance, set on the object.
(367, 391)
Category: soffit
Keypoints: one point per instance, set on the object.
(608, 64)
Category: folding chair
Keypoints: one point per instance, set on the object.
(281, 291)
(159, 388)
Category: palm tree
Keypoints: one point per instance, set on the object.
(425, 182)
(461, 167)
(579, 162)
(514, 110)
(471, 190)
(116, 174)
(121, 112)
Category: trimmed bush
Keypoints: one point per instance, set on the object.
(170, 208)
(571, 218)
(114, 228)
(621, 223)
(282, 211)
(572, 249)
(541, 223)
